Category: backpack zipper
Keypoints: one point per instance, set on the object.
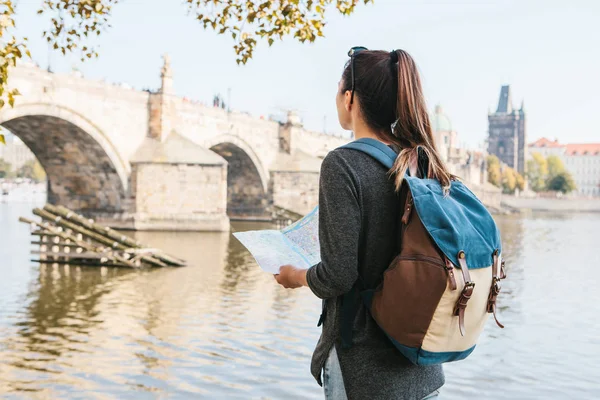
(431, 260)
(406, 214)
(434, 261)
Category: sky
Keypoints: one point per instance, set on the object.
(548, 52)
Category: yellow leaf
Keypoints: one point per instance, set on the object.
(2, 139)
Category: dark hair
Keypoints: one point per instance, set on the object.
(392, 104)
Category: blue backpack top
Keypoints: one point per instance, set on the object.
(456, 222)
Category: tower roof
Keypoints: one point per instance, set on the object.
(505, 102)
(544, 142)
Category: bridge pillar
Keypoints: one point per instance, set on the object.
(178, 185)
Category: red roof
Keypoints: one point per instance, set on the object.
(583, 149)
(543, 142)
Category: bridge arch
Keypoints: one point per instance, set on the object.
(85, 171)
(247, 184)
(246, 148)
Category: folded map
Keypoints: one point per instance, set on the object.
(297, 244)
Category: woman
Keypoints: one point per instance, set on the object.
(379, 97)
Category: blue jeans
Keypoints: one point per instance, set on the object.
(333, 382)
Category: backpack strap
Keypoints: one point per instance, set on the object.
(350, 301)
(497, 274)
(376, 149)
(465, 295)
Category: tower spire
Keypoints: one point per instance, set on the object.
(504, 102)
(166, 76)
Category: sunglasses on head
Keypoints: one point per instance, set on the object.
(351, 53)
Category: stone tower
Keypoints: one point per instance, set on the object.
(507, 134)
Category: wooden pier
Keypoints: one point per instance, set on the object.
(65, 237)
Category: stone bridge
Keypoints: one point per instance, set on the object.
(151, 160)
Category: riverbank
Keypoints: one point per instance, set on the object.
(524, 204)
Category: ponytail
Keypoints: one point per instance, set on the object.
(412, 128)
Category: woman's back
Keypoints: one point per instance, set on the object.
(359, 209)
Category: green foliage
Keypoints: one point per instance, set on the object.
(5, 169)
(75, 23)
(39, 174)
(493, 170)
(509, 180)
(537, 172)
(32, 170)
(561, 182)
(248, 21)
(520, 181)
(555, 167)
(11, 49)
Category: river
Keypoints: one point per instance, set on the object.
(222, 329)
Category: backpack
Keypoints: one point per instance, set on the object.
(437, 293)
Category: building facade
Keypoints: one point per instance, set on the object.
(507, 136)
(582, 160)
(546, 147)
(15, 152)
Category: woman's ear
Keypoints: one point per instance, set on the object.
(348, 100)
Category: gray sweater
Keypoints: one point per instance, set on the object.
(358, 214)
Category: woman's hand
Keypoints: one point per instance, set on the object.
(291, 277)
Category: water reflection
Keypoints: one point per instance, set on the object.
(220, 328)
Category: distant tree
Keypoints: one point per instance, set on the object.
(493, 170)
(555, 167)
(5, 169)
(520, 181)
(562, 182)
(39, 174)
(33, 170)
(537, 172)
(509, 180)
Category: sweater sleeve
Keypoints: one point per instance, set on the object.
(339, 229)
